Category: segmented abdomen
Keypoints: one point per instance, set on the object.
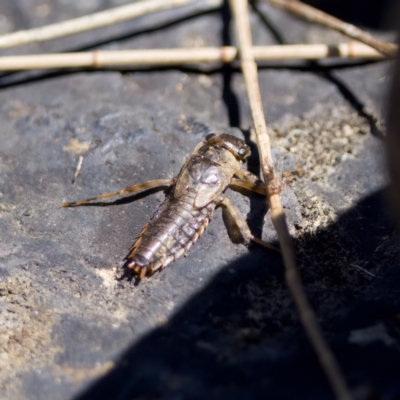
(174, 227)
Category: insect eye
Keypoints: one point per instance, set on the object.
(242, 151)
(210, 136)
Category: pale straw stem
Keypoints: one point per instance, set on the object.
(155, 57)
(307, 315)
(314, 15)
(89, 22)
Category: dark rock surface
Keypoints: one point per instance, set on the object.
(219, 323)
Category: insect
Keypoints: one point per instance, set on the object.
(187, 209)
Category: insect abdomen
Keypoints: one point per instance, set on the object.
(175, 226)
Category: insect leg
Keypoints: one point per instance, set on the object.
(252, 187)
(237, 226)
(248, 176)
(138, 187)
(274, 186)
(247, 180)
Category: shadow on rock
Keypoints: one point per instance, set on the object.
(240, 337)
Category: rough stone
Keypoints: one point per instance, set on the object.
(220, 322)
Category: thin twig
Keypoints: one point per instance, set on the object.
(78, 169)
(307, 315)
(314, 15)
(364, 270)
(125, 58)
(89, 22)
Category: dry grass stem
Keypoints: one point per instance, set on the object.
(314, 15)
(89, 22)
(307, 315)
(130, 58)
(78, 169)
